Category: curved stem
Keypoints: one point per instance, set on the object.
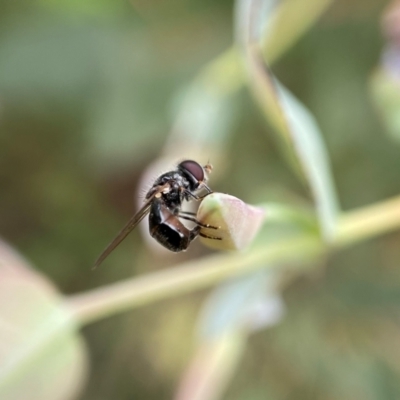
(187, 277)
(354, 226)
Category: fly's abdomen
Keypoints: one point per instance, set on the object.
(166, 228)
(169, 237)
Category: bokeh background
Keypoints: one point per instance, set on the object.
(88, 91)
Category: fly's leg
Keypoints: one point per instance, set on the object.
(197, 222)
(209, 237)
(195, 197)
(205, 186)
(190, 216)
(196, 232)
(187, 213)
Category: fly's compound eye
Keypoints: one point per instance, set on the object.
(193, 168)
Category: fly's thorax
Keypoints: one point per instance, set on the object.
(173, 199)
(162, 182)
(164, 178)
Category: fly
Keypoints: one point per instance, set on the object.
(163, 204)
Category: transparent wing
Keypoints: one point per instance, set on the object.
(124, 232)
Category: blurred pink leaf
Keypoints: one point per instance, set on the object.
(231, 313)
(247, 303)
(238, 222)
(41, 355)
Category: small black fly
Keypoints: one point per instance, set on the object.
(163, 203)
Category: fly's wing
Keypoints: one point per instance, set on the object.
(124, 232)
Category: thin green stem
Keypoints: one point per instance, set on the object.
(361, 224)
(368, 222)
(185, 278)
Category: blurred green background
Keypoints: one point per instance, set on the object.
(87, 90)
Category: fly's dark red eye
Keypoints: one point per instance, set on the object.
(194, 168)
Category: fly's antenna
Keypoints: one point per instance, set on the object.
(208, 167)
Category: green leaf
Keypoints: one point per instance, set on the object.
(310, 148)
(292, 121)
(302, 137)
(42, 357)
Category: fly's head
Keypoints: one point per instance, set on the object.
(195, 174)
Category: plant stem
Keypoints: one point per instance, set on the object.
(353, 227)
(185, 278)
(368, 222)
